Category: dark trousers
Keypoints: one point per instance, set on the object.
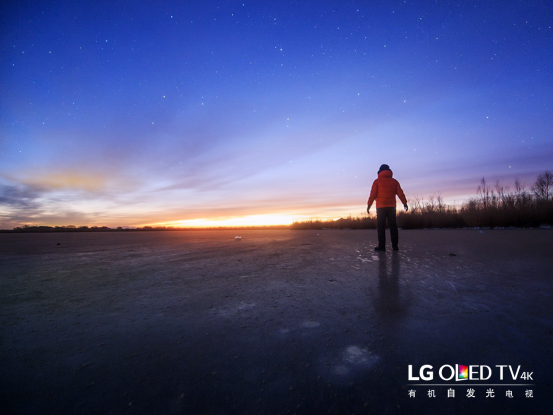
(381, 215)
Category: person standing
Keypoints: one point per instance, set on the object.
(384, 191)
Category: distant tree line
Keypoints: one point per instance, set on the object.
(492, 207)
(68, 228)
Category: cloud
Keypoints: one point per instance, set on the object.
(20, 197)
(68, 180)
(18, 203)
(24, 203)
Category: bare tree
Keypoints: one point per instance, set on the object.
(543, 188)
(440, 202)
(519, 188)
(521, 196)
(484, 192)
(430, 206)
(415, 205)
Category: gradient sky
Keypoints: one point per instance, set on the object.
(131, 113)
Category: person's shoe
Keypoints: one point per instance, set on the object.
(379, 248)
(395, 248)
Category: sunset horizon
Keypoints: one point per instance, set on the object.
(126, 114)
(218, 219)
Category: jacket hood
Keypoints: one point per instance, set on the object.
(385, 173)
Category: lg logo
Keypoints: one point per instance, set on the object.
(471, 372)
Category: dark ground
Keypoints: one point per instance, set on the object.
(307, 322)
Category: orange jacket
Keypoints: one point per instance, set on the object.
(385, 189)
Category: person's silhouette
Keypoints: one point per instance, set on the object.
(384, 191)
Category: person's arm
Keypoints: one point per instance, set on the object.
(372, 196)
(400, 193)
(402, 197)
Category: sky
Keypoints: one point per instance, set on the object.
(208, 113)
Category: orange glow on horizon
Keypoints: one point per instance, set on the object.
(251, 220)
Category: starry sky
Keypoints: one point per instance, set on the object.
(133, 113)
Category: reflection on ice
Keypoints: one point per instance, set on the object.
(389, 301)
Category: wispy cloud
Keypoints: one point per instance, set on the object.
(20, 197)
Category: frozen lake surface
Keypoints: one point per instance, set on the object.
(275, 322)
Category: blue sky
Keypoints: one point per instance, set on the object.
(136, 113)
